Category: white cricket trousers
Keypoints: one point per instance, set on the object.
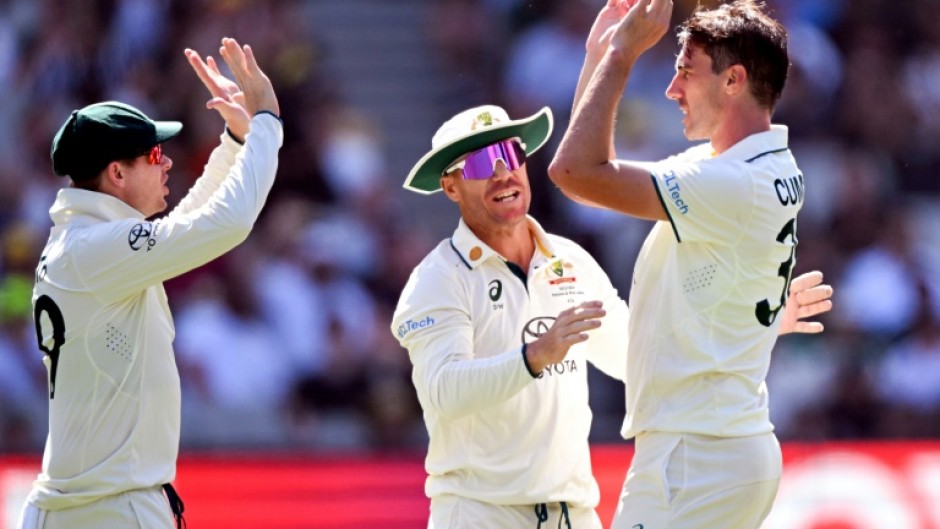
(454, 512)
(135, 509)
(683, 481)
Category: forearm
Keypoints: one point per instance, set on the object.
(220, 161)
(459, 387)
(585, 146)
(591, 61)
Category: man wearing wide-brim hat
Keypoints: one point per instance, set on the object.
(101, 312)
(500, 321)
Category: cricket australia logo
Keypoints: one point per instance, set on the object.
(141, 235)
(483, 119)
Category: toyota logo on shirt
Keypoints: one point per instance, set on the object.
(536, 327)
(139, 236)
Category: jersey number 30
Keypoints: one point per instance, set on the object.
(766, 315)
(45, 304)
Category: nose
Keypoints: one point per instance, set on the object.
(166, 162)
(672, 91)
(500, 170)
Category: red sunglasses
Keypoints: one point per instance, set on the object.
(155, 155)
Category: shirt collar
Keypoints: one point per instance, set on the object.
(473, 252)
(758, 144)
(80, 205)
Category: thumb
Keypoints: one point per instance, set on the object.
(215, 103)
(223, 106)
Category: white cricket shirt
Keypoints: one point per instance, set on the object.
(708, 286)
(496, 433)
(99, 304)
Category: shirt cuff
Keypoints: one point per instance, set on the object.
(525, 360)
(231, 135)
(258, 113)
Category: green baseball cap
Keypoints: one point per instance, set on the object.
(470, 130)
(99, 134)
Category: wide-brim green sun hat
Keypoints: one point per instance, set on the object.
(471, 130)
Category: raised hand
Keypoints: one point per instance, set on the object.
(227, 98)
(808, 297)
(570, 328)
(645, 23)
(603, 29)
(259, 94)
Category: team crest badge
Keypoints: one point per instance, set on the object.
(558, 267)
(484, 119)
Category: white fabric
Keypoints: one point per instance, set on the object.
(142, 508)
(467, 122)
(698, 353)
(683, 481)
(114, 420)
(454, 512)
(497, 434)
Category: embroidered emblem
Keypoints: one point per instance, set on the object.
(483, 119)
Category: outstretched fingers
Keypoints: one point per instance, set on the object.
(574, 323)
(812, 296)
(203, 71)
(807, 280)
(233, 55)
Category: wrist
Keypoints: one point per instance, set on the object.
(239, 139)
(534, 373)
(624, 55)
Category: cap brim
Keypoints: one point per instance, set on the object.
(425, 176)
(166, 130)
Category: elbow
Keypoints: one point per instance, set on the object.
(240, 233)
(443, 402)
(234, 236)
(560, 172)
(445, 407)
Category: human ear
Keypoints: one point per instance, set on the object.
(449, 186)
(114, 175)
(736, 79)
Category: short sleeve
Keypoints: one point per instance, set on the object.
(706, 201)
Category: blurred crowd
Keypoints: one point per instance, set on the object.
(284, 343)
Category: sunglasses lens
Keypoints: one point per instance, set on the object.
(481, 164)
(155, 156)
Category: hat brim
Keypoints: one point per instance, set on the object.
(166, 130)
(425, 176)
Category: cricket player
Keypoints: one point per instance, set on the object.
(712, 278)
(101, 313)
(500, 321)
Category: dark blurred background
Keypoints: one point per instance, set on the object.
(284, 343)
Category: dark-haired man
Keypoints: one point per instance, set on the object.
(712, 278)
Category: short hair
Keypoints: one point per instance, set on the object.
(740, 32)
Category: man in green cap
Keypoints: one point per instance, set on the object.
(101, 313)
(500, 321)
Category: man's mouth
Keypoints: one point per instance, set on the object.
(506, 196)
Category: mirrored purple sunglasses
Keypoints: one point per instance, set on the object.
(481, 164)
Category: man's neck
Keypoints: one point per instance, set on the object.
(515, 244)
(742, 123)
